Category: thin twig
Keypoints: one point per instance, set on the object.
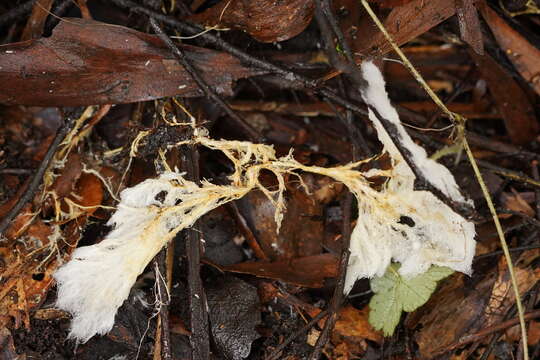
(467, 339)
(459, 121)
(160, 273)
(178, 53)
(38, 176)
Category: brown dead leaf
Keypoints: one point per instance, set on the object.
(404, 23)
(342, 352)
(515, 202)
(88, 62)
(89, 193)
(71, 171)
(533, 335)
(519, 50)
(309, 271)
(264, 20)
(353, 326)
(467, 305)
(502, 296)
(21, 222)
(511, 101)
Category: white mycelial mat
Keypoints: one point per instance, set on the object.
(98, 278)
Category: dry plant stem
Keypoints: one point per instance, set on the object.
(61, 133)
(459, 122)
(277, 352)
(163, 290)
(210, 93)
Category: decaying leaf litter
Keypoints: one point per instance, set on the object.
(286, 91)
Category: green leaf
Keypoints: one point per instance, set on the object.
(394, 294)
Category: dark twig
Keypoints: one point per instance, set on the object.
(38, 176)
(181, 57)
(247, 59)
(160, 273)
(200, 337)
(277, 352)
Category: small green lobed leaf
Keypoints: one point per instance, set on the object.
(394, 294)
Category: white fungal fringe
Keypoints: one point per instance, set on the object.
(97, 280)
(396, 223)
(412, 227)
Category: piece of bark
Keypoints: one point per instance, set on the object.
(519, 50)
(87, 62)
(469, 25)
(404, 23)
(264, 20)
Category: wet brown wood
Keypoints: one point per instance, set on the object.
(88, 62)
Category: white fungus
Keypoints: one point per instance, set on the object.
(395, 223)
